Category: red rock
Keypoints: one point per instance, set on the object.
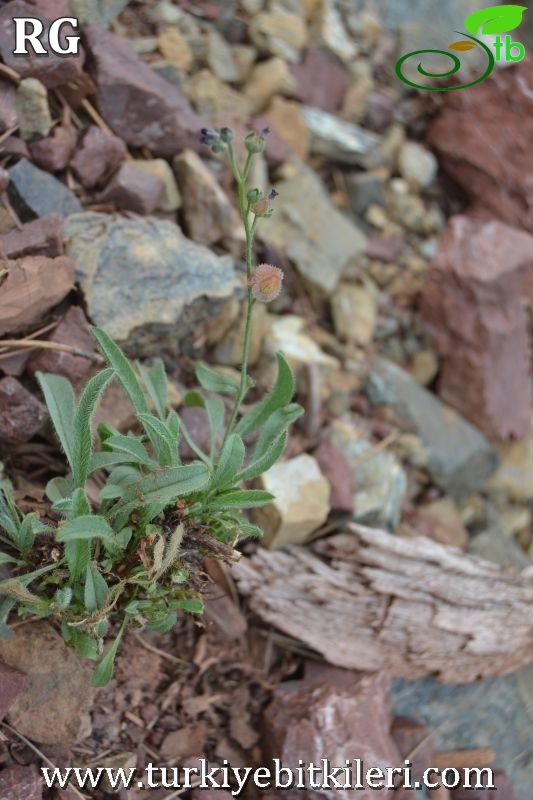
(334, 714)
(196, 422)
(54, 152)
(483, 140)
(412, 737)
(11, 684)
(384, 248)
(33, 285)
(322, 80)
(21, 414)
(14, 146)
(72, 329)
(472, 303)
(335, 467)
(379, 111)
(52, 70)
(503, 790)
(42, 236)
(21, 782)
(140, 106)
(132, 189)
(8, 113)
(15, 364)
(99, 155)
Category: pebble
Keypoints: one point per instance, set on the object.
(220, 58)
(18, 781)
(11, 684)
(514, 477)
(329, 31)
(54, 706)
(441, 521)
(133, 189)
(287, 333)
(42, 236)
(162, 287)
(174, 47)
(300, 505)
(21, 414)
(98, 12)
(33, 111)
(53, 154)
(267, 79)
(8, 111)
(37, 193)
(289, 123)
(417, 165)
(354, 310)
(460, 459)
(340, 141)
(72, 329)
(208, 215)
(229, 348)
(279, 33)
(379, 483)
(321, 80)
(319, 251)
(366, 189)
(99, 155)
(160, 169)
(139, 106)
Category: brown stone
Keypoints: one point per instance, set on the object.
(472, 302)
(379, 111)
(11, 684)
(208, 213)
(42, 236)
(54, 152)
(33, 285)
(503, 790)
(21, 782)
(334, 714)
(73, 330)
(441, 521)
(276, 150)
(335, 467)
(384, 248)
(14, 146)
(321, 79)
(99, 155)
(414, 742)
(21, 414)
(485, 157)
(52, 70)
(53, 707)
(140, 106)
(132, 189)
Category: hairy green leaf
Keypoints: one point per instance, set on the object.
(276, 424)
(229, 463)
(123, 369)
(86, 528)
(265, 461)
(82, 448)
(215, 408)
(155, 380)
(279, 396)
(240, 498)
(61, 403)
(163, 441)
(104, 671)
(215, 382)
(96, 589)
(132, 446)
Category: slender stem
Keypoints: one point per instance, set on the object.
(249, 231)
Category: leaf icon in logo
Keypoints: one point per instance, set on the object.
(463, 44)
(497, 19)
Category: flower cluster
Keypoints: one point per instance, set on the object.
(217, 141)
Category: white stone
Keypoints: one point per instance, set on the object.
(301, 503)
(417, 165)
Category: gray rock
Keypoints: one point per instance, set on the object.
(494, 545)
(493, 712)
(378, 480)
(341, 141)
(417, 165)
(311, 232)
(97, 12)
(36, 193)
(366, 189)
(31, 103)
(460, 458)
(220, 57)
(144, 281)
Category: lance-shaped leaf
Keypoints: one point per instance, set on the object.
(123, 369)
(215, 382)
(279, 396)
(163, 487)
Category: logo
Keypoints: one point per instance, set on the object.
(487, 21)
(29, 31)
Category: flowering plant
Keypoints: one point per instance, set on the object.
(132, 558)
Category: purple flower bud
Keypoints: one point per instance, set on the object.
(265, 131)
(273, 194)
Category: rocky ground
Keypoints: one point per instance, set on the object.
(404, 226)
